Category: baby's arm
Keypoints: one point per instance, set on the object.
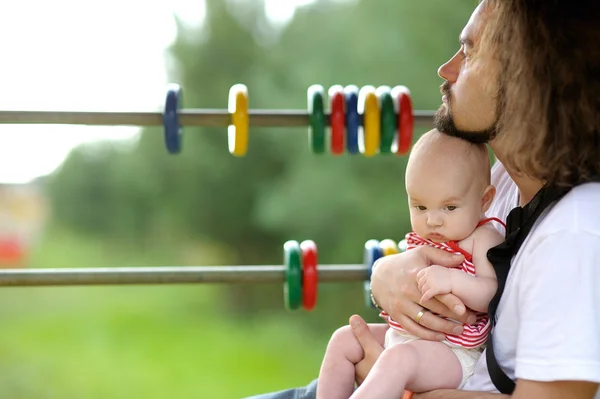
(475, 291)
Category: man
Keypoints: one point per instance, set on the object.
(526, 79)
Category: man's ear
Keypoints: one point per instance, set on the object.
(488, 196)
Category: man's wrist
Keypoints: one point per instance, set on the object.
(373, 300)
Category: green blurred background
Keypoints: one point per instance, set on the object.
(132, 204)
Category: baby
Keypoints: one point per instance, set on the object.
(449, 191)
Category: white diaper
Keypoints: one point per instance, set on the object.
(467, 357)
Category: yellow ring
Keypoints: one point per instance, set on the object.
(420, 315)
(237, 132)
(388, 247)
(369, 105)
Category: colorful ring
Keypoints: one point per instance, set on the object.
(293, 275)
(352, 119)
(406, 120)
(403, 246)
(368, 106)
(337, 119)
(237, 132)
(388, 247)
(316, 116)
(372, 252)
(367, 295)
(310, 276)
(173, 130)
(388, 119)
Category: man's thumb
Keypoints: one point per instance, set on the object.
(441, 257)
(361, 331)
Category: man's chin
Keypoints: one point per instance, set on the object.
(444, 122)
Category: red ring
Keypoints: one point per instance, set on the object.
(337, 119)
(406, 120)
(310, 277)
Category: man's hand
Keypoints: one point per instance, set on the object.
(394, 285)
(434, 280)
(371, 347)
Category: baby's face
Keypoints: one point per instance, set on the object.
(444, 205)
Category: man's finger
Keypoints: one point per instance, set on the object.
(427, 295)
(420, 331)
(452, 302)
(441, 257)
(443, 308)
(430, 325)
(363, 334)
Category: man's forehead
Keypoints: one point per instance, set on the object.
(472, 30)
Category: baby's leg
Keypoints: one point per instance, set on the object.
(336, 378)
(418, 366)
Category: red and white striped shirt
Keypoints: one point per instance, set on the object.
(474, 335)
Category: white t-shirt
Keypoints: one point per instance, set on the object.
(548, 326)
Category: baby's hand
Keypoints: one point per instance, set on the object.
(434, 280)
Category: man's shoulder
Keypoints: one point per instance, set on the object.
(577, 211)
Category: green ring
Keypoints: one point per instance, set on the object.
(292, 289)
(316, 117)
(388, 120)
(367, 295)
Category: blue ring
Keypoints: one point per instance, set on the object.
(352, 119)
(173, 130)
(372, 253)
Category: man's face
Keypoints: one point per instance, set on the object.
(470, 91)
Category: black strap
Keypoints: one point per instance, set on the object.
(518, 225)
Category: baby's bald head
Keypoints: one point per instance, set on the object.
(442, 154)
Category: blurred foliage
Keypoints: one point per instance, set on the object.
(204, 206)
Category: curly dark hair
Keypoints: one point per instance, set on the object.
(549, 86)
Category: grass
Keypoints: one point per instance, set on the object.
(139, 341)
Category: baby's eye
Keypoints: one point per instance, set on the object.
(421, 207)
(451, 208)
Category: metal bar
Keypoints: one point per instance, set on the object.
(187, 117)
(170, 275)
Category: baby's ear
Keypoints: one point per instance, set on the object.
(488, 196)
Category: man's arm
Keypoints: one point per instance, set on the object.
(455, 394)
(525, 389)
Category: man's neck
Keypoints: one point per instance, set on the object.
(528, 186)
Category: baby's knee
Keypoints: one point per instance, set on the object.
(344, 341)
(342, 336)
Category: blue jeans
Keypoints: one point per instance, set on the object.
(307, 392)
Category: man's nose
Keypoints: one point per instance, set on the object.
(449, 71)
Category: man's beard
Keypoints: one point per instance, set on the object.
(444, 122)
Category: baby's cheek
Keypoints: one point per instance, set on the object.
(415, 223)
(465, 225)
